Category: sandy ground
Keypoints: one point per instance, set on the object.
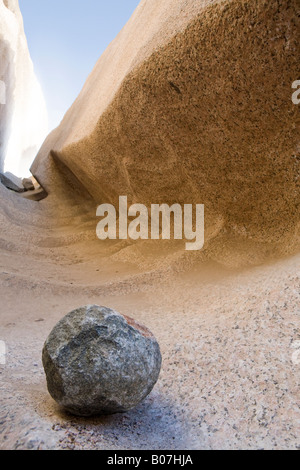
(228, 378)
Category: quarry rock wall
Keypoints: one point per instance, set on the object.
(23, 114)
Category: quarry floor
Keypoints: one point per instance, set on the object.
(230, 373)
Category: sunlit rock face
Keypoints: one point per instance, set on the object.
(23, 115)
(191, 103)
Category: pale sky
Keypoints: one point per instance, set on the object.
(66, 38)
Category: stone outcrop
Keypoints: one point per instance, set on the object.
(191, 103)
(12, 182)
(23, 115)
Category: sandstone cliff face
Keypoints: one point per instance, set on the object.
(23, 115)
(191, 103)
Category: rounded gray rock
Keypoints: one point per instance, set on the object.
(100, 362)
